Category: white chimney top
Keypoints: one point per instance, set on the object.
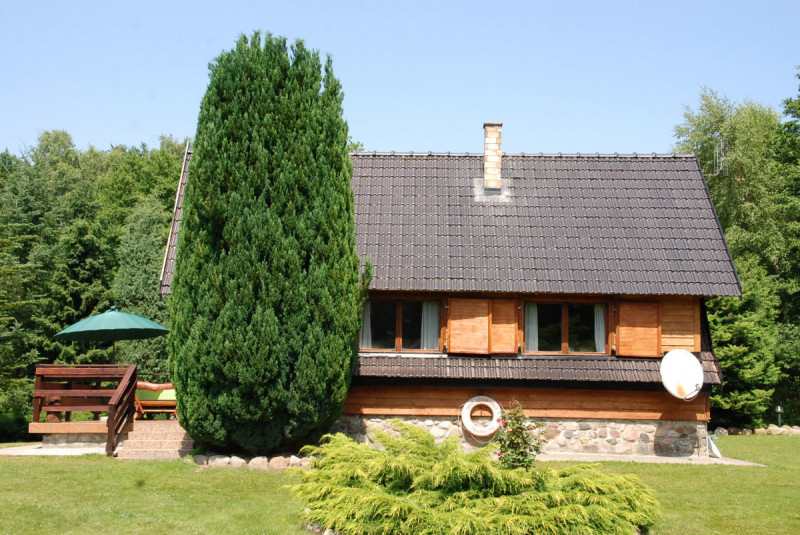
(492, 157)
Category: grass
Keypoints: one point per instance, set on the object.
(95, 494)
(718, 499)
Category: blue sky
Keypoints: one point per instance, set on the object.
(417, 76)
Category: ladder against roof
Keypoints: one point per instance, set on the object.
(168, 266)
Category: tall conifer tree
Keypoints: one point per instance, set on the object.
(266, 296)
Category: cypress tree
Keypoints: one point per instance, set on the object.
(266, 296)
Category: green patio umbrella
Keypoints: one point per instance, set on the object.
(110, 326)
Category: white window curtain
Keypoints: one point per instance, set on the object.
(600, 328)
(531, 327)
(430, 325)
(365, 340)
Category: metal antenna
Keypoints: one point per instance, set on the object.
(719, 156)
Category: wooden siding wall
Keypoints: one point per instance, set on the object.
(537, 403)
(680, 323)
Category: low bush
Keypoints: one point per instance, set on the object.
(411, 485)
(13, 427)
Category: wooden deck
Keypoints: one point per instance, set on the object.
(100, 427)
(60, 390)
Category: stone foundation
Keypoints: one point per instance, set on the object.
(621, 437)
(74, 440)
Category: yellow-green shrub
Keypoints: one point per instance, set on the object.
(414, 486)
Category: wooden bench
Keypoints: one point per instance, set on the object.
(155, 398)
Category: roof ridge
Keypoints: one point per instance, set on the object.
(633, 155)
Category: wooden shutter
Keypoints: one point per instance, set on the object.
(504, 326)
(639, 330)
(468, 326)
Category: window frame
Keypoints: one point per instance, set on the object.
(398, 332)
(565, 303)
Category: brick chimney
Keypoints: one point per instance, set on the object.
(492, 156)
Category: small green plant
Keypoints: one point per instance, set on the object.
(517, 439)
(412, 485)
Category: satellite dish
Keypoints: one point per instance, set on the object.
(682, 374)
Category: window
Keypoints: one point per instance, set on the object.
(565, 328)
(400, 325)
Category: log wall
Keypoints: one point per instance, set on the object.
(537, 403)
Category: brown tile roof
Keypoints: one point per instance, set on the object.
(589, 224)
(521, 370)
(593, 224)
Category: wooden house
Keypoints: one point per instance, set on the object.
(555, 280)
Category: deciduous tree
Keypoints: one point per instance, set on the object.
(746, 155)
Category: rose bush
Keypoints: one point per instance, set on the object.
(517, 439)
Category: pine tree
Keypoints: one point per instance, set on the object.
(745, 333)
(266, 297)
(17, 306)
(136, 285)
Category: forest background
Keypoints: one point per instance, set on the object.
(81, 230)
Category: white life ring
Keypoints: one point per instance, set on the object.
(475, 429)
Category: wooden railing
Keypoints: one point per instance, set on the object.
(64, 389)
(121, 408)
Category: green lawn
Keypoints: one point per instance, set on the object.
(728, 499)
(95, 494)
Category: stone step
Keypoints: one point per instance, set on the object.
(158, 435)
(158, 443)
(152, 454)
(157, 425)
(156, 439)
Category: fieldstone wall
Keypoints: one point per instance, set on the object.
(620, 437)
(669, 438)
